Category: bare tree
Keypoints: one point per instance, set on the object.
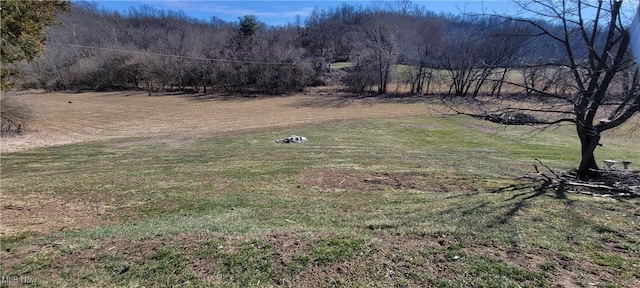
(419, 46)
(462, 63)
(596, 37)
(375, 52)
(203, 44)
(474, 58)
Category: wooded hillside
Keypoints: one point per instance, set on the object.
(156, 50)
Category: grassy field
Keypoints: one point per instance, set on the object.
(384, 194)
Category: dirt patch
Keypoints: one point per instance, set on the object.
(44, 215)
(354, 180)
(287, 245)
(331, 179)
(51, 212)
(358, 180)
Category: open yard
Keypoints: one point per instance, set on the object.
(124, 189)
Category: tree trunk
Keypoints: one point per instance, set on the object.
(504, 75)
(589, 140)
(416, 86)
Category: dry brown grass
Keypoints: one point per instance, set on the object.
(63, 118)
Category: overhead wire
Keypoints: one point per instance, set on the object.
(172, 55)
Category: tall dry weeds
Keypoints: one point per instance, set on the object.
(14, 115)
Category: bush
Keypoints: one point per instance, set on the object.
(14, 116)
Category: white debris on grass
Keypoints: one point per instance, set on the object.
(292, 139)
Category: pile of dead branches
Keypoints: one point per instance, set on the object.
(610, 183)
(511, 118)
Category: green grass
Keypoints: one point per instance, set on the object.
(341, 65)
(417, 201)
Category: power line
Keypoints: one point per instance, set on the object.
(170, 55)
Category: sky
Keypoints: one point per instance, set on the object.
(285, 12)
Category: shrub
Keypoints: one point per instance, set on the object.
(14, 116)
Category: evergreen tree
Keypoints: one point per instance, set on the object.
(248, 25)
(22, 26)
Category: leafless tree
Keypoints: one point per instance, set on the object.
(420, 46)
(474, 58)
(603, 90)
(381, 40)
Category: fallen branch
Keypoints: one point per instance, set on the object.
(590, 185)
(611, 183)
(548, 168)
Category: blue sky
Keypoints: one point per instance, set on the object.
(283, 12)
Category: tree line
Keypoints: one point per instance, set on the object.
(159, 50)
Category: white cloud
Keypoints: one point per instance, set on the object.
(271, 9)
